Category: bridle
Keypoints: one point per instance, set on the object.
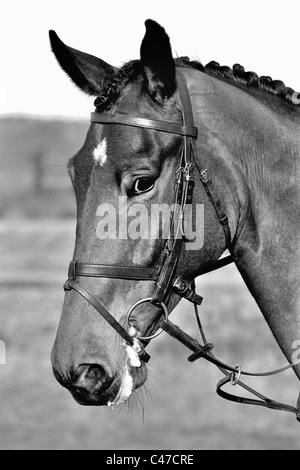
(165, 277)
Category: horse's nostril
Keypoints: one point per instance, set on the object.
(93, 378)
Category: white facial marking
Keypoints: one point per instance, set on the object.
(100, 153)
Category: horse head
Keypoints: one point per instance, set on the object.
(123, 178)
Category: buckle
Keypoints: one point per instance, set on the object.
(186, 291)
(224, 220)
(180, 285)
(235, 376)
(206, 179)
(189, 172)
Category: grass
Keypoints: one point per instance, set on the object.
(181, 409)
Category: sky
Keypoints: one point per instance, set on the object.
(262, 35)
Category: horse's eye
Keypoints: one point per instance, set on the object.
(143, 185)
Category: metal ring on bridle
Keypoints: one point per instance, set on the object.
(235, 376)
(148, 299)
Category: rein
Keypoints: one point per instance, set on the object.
(165, 277)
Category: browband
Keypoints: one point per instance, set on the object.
(164, 126)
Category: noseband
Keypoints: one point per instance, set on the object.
(165, 277)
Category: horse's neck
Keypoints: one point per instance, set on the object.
(254, 157)
(269, 245)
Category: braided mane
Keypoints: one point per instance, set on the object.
(134, 70)
(250, 79)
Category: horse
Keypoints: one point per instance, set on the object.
(210, 143)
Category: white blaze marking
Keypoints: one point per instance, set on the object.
(100, 153)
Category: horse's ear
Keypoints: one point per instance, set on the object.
(88, 72)
(156, 57)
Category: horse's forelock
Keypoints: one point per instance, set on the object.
(113, 88)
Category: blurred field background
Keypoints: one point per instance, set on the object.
(180, 408)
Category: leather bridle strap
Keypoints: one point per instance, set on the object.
(232, 374)
(72, 284)
(234, 379)
(216, 202)
(263, 400)
(163, 126)
(183, 197)
(136, 273)
(196, 347)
